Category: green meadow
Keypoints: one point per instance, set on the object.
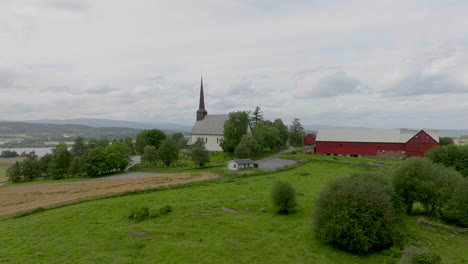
(226, 220)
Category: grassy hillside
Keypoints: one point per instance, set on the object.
(199, 230)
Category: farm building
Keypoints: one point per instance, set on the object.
(309, 139)
(376, 142)
(241, 164)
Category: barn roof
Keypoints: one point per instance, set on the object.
(372, 135)
(210, 125)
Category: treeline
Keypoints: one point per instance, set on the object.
(91, 159)
(265, 134)
(450, 155)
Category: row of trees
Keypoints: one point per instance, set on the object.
(95, 158)
(265, 134)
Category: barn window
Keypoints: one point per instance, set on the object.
(396, 151)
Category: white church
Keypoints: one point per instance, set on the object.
(209, 128)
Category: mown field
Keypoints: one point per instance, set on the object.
(202, 228)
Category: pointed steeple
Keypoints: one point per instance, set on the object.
(201, 113)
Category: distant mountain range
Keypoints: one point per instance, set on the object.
(92, 122)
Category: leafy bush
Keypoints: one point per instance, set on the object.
(456, 210)
(355, 215)
(425, 258)
(420, 180)
(283, 197)
(142, 213)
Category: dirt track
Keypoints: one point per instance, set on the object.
(20, 198)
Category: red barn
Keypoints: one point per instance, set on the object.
(309, 139)
(376, 142)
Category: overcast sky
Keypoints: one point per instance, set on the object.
(381, 64)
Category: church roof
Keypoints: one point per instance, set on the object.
(210, 125)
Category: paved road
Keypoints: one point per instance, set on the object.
(272, 162)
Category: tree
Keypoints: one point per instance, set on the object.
(456, 210)
(150, 154)
(14, 173)
(256, 116)
(76, 164)
(94, 162)
(420, 180)
(129, 142)
(30, 169)
(168, 152)
(9, 154)
(79, 147)
(355, 215)
(445, 141)
(44, 163)
(267, 135)
(180, 140)
(98, 143)
(450, 156)
(151, 137)
(296, 133)
(234, 128)
(117, 156)
(60, 162)
(283, 131)
(283, 197)
(199, 153)
(247, 147)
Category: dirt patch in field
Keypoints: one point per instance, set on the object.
(21, 198)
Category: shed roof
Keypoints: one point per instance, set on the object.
(210, 125)
(372, 135)
(243, 161)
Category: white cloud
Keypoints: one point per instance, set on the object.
(142, 60)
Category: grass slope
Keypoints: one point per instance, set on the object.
(198, 231)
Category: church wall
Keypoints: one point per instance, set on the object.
(211, 141)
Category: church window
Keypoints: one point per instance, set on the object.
(206, 140)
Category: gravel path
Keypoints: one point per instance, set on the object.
(272, 162)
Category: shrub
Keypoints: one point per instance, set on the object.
(142, 213)
(420, 180)
(283, 197)
(425, 258)
(355, 215)
(139, 214)
(456, 210)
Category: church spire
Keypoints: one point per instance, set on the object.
(201, 113)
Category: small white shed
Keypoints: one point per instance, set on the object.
(241, 164)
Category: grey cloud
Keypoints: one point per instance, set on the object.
(241, 88)
(71, 5)
(6, 79)
(418, 84)
(101, 90)
(337, 84)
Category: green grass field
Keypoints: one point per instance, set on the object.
(199, 231)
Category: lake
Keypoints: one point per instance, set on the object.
(39, 151)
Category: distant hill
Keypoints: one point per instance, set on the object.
(167, 127)
(442, 132)
(54, 132)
